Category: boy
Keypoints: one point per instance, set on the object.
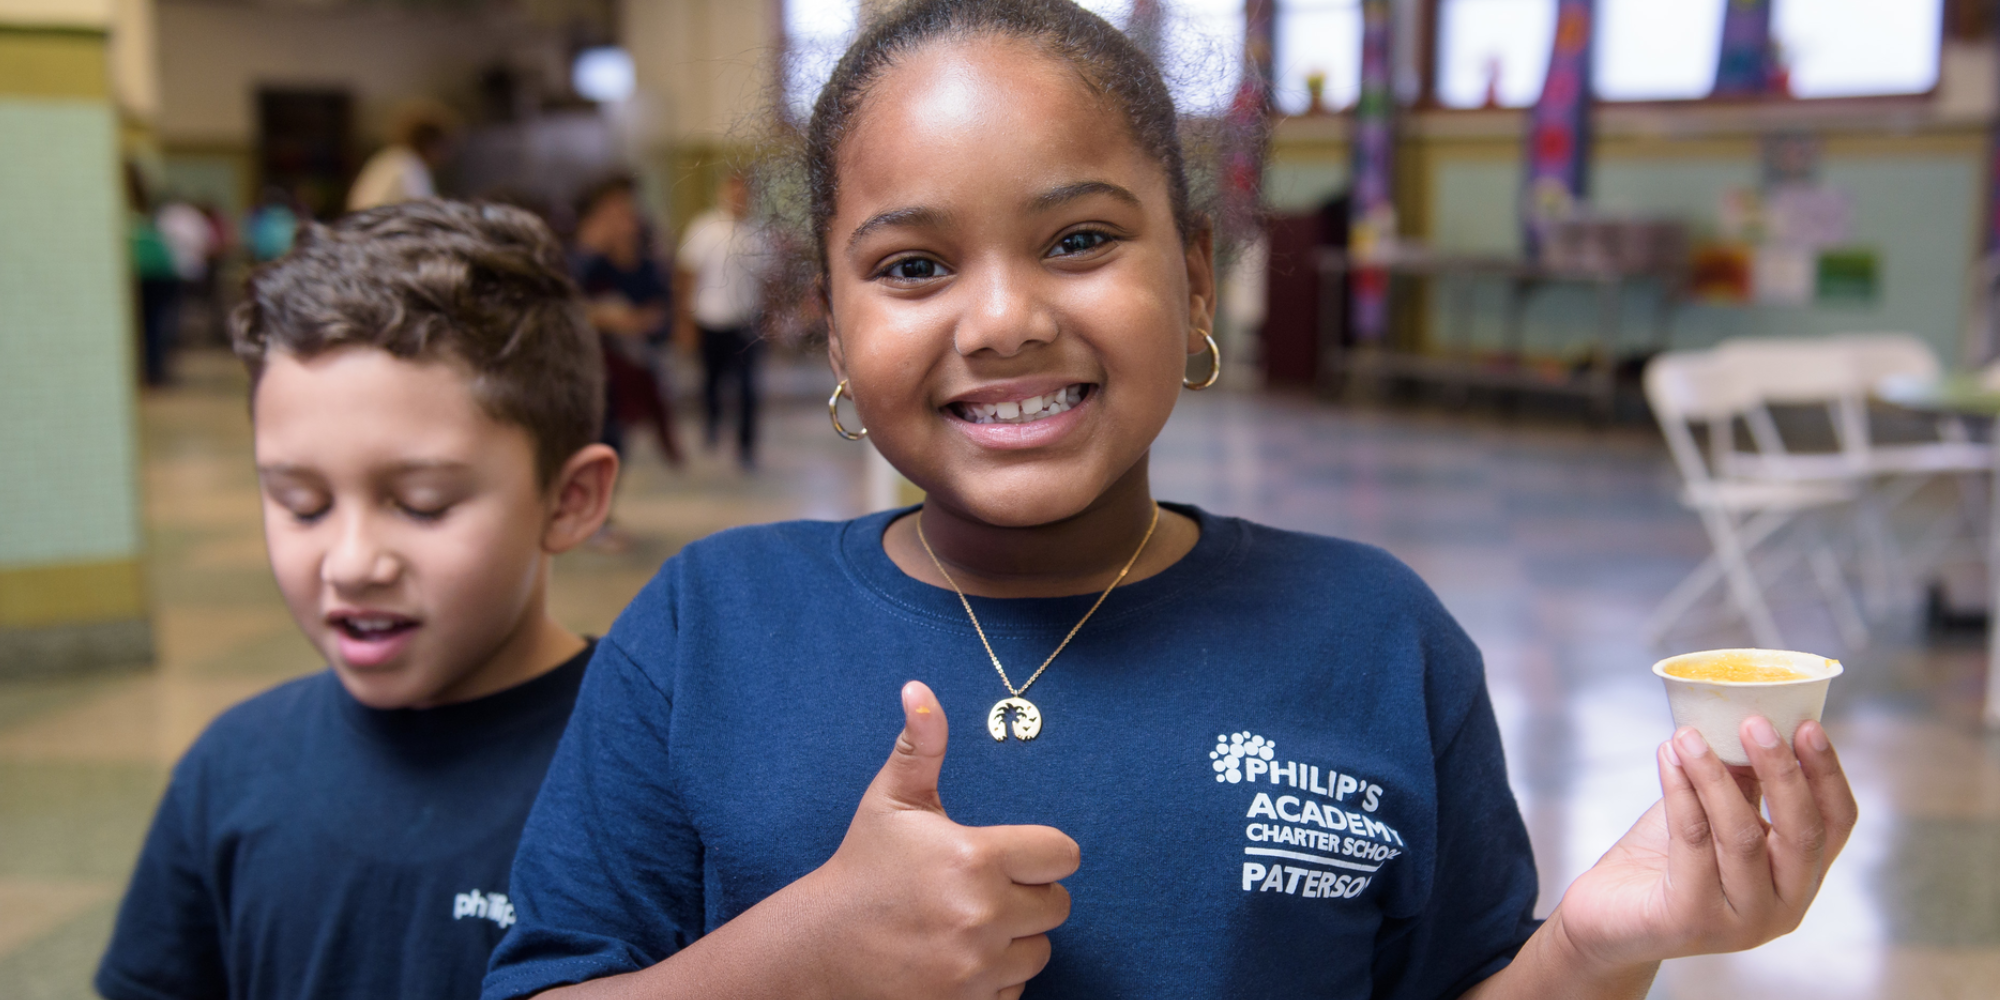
(426, 399)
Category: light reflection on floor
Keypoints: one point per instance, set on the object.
(1550, 543)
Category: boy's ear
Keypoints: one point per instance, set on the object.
(582, 498)
(1201, 288)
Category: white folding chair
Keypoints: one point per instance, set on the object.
(1809, 373)
(1839, 373)
(1826, 374)
(1740, 515)
(1902, 468)
(1877, 357)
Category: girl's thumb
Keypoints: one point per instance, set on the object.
(910, 778)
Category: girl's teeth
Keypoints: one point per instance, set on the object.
(1032, 408)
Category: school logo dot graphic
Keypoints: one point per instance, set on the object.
(1227, 757)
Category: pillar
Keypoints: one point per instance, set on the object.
(72, 592)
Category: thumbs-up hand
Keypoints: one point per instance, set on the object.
(924, 907)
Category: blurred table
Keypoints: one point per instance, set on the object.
(1458, 364)
(1966, 394)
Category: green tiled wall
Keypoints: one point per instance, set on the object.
(1919, 211)
(67, 465)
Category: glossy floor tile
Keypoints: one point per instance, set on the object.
(1550, 543)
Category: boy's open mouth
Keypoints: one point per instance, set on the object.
(1022, 411)
(370, 626)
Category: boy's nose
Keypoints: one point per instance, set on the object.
(1004, 314)
(357, 560)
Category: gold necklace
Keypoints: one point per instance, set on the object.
(1027, 719)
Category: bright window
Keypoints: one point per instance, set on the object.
(1479, 39)
(816, 33)
(1198, 43)
(1657, 50)
(1318, 36)
(1858, 48)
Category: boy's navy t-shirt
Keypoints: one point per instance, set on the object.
(309, 846)
(1277, 756)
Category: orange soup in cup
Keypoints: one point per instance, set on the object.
(1715, 690)
(1738, 667)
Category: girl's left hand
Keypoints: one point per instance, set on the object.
(1702, 871)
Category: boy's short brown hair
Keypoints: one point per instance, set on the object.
(483, 286)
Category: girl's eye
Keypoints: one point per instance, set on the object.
(913, 269)
(1081, 242)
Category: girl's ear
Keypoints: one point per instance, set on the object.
(1201, 288)
(836, 353)
(580, 498)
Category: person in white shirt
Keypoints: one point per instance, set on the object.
(190, 238)
(401, 171)
(721, 271)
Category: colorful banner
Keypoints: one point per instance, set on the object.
(1558, 152)
(1260, 30)
(1147, 26)
(1248, 123)
(1743, 67)
(1373, 204)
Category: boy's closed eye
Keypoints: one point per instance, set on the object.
(423, 511)
(429, 492)
(306, 500)
(306, 512)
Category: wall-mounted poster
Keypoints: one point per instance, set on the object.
(1559, 127)
(1848, 276)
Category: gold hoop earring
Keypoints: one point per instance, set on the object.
(1214, 369)
(833, 410)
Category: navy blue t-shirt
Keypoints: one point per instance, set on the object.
(310, 846)
(1277, 756)
(641, 286)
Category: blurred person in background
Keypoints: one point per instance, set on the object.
(223, 243)
(157, 277)
(629, 304)
(401, 171)
(194, 244)
(720, 273)
(190, 238)
(271, 226)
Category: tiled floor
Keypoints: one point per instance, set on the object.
(1549, 543)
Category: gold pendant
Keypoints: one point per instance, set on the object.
(1027, 719)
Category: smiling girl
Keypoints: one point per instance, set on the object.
(1220, 759)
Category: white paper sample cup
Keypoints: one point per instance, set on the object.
(1717, 708)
